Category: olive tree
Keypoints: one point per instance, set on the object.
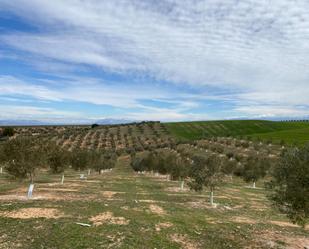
(2, 158)
(103, 160)
(206, 172)
(79, 159)
(57, 158)
(290, 184)
(22, 156)
(178, 168)
(255, 168)
(8, 132)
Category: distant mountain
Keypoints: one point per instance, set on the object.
(20, 122)
(25, 122)
(109, 121)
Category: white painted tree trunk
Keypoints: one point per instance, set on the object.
(89, 171)
(211, 198)
(182, 183)
(30, 190)
(253, 186)
(1, 170)
(62, 179)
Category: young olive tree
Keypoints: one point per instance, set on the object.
(290, 184)
(2, 158)
(57, 158)
(22, 156)
(178, 168)
(103, 160)
(206, 172)
(255, 168)
(79, 159)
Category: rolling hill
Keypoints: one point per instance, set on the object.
(290, 132)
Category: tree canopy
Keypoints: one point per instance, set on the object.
(290, 184)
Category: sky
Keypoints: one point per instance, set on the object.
(73, 61)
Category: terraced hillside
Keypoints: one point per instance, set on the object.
(155, 134)
(288, 131)
(139, 136)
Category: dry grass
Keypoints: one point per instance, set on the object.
(109, 218)
(30, 213)
(184, 241)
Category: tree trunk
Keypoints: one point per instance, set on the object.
(182, 183)
(253, 186)
(89, 171)
(62, 179)
(30, 190)
(1, 170)
(31, 177)
(211, 197)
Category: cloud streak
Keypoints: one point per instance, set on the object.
(253, 53)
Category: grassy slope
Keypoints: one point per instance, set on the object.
(295, 136)
(288, 131)
(242, 219)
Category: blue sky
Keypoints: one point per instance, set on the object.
(76, 61)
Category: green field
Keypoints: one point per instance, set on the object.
(294, 136)
(128, 210)
(290, 132)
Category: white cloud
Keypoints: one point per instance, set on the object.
(13, 86)
(91, 90)
(257, 49)
(32, 112)
(272, 111)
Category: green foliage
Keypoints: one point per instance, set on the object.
(229, 167)
(290, 184)
(22, 156)
(57, 158)
(102, 160)
(8, 132)
(179, 167)
(148, 161)
(79, 159)
(163, 162)
(94, 126)
(255, 168)
(206, 172)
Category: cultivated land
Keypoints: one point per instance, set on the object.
(155, 134)
(130, 210)
(117, 137)
(127, 209)
(290, 132)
